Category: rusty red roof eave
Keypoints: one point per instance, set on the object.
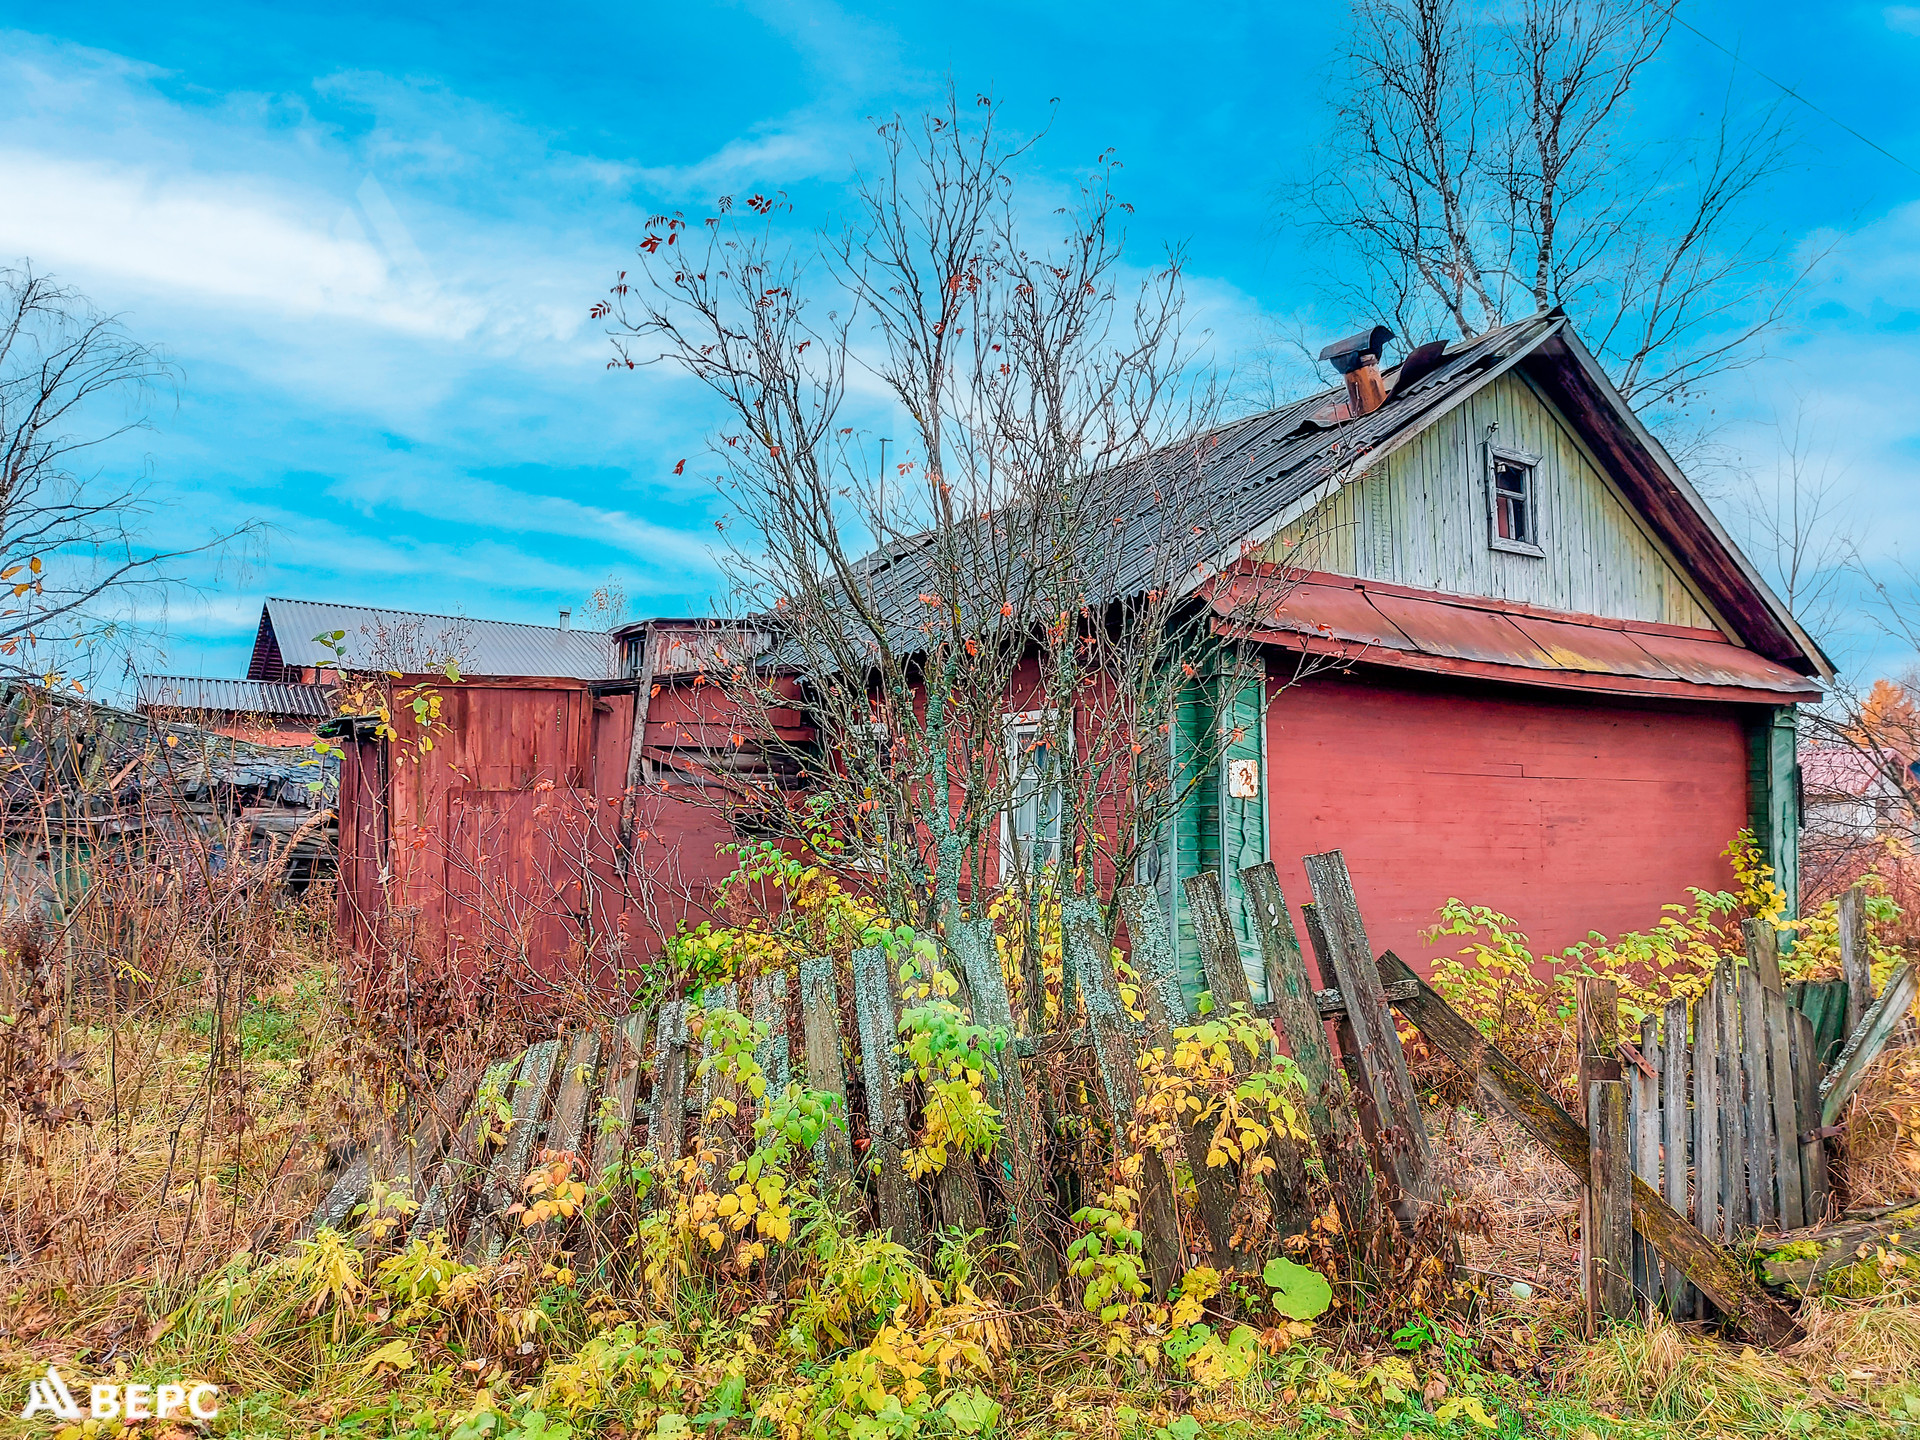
(1337, 616)
(1586, 682)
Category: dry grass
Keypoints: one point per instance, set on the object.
(1529, 1201)
(1882, 1156)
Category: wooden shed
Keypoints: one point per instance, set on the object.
(543, 835)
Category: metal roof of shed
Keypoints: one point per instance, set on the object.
(414, 642)
(241, 697)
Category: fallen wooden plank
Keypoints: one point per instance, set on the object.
(1868, 1039)
(1402, 1139)
(1799, 1259)
(1716, 1272)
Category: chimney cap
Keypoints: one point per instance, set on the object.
(1345, 354)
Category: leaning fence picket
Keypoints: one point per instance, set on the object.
(1226, 975)
(1644, 1082)
(886, 1098)
(1676, 1130)
(1763, 1210)
(820, 1031)
(1166, 1007)
(1114, 1049)
(1782, 1092)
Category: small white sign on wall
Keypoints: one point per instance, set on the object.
(1243, 779)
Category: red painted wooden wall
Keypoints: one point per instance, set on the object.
(1569, 816)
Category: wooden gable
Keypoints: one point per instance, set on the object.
(1420, 518)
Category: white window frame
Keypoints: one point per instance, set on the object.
(1010, 727)
(876, 734)
(1496, 454)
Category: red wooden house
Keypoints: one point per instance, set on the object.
(1562, 688)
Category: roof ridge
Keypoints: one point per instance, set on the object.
(428, 615)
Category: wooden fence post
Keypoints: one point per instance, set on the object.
(1227, 979)
(1677, 1133)
(886, 1098)
(1722, 1277)
(1115, 1052)
(1328, 1110)
(534, 1084)
(623, 1084)
(666, 1117)
(1610, 1186)
(1402, 1138)
(1597, 1041)
(1020, 1163)
(1166, 1006)
(820, 1025)
(1855, 959)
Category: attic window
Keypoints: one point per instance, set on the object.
(1513, 483)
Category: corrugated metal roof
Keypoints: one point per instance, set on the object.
(242, 697)
(410, 641)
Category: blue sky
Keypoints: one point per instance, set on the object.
(369, 237)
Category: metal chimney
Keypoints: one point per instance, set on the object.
(566, 620)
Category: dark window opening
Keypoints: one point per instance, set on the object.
(1513, 502)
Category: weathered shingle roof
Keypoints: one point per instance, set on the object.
(241, 697)
(1230, 481)
(1242, 481)
(379, 639)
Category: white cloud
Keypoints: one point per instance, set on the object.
(1902, 18)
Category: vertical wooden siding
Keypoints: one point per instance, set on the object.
(1419, 518)
(1568, 816)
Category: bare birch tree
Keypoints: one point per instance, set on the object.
(72, 558)
(992, 635)
(1482, 165)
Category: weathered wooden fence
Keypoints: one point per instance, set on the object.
(1716, 1129)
